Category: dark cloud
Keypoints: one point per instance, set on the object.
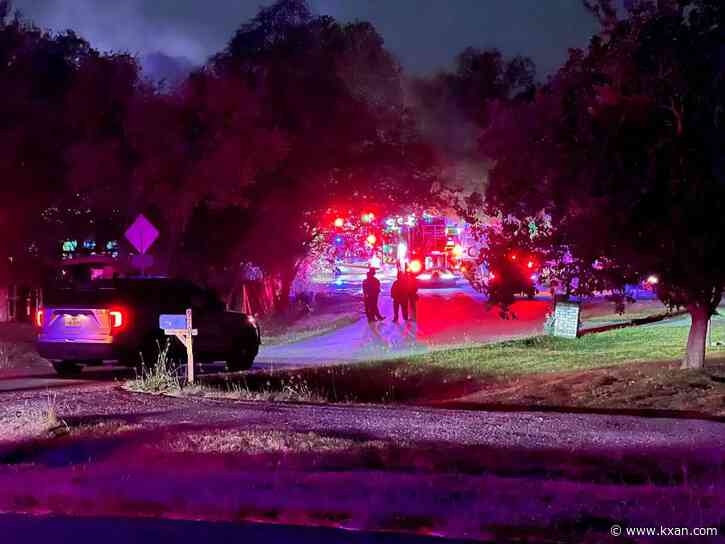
(423, 34)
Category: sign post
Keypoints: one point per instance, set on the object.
(180, 326)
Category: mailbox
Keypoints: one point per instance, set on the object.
(172, 321)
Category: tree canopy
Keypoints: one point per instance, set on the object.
(620, 159)
(296, 115)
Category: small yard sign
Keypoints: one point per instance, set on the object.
(566, 319)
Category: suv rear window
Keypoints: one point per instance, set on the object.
(171, 295)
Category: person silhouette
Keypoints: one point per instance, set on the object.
(371, 293)
(400, 297)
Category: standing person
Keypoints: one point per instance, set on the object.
(371, 292)
(399, 296)
(411, 292)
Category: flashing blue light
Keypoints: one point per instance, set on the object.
(338, 281)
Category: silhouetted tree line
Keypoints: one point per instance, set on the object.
(237, 164)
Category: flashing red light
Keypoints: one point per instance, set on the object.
(463, 269)
(513, 257)
(492, 276)
(372, 239)
(415, 266)
(457, 250)
(530, 264)
(118, 318)
(339, 222)
(39, 318)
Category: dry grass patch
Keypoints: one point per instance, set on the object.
(259, 442)
(109, 427)
(32, 419)
(640, 386)
(291, 388)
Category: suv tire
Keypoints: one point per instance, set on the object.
(242, 357)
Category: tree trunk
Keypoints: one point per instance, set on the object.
(695, 354)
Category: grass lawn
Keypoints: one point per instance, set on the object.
(549, 354)
(618, 369)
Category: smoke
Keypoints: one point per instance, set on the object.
(455, 137)
(115, 26)
(165, 69)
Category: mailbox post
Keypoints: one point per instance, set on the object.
(180, 326)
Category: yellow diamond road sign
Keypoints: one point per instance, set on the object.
(142, 234)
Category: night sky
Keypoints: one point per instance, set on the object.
(425, 35)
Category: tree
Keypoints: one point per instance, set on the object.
(453, 107)
(622, 152)
(297, 114)
(36, 72)
(334, 94)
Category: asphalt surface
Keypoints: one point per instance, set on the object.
(445, 317)
(62, 529)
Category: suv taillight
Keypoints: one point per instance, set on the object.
(117, 318)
